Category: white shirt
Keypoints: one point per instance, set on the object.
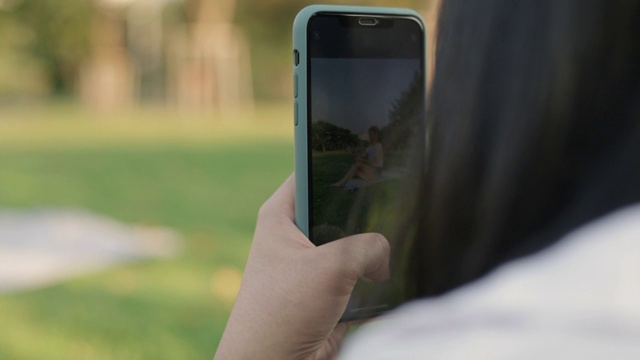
(578, 299)
(374, 155)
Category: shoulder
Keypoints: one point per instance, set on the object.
(577, 299)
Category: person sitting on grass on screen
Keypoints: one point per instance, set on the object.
(368, 165)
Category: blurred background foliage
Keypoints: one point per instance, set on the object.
(43, 43)
(152, 112)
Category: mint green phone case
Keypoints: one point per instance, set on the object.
(300, 93)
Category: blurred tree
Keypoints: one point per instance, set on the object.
(60, 32)
(328, 137)
(21, 73)
(404, 115)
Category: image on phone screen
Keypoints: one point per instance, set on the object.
(366, 122)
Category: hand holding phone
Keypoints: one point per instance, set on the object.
(289, 304)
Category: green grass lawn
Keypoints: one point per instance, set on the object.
(203, 175)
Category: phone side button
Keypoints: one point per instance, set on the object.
(295, 113)
(295, 86)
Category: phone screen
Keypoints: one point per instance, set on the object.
(366, 125)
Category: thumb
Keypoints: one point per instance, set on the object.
(360, 255)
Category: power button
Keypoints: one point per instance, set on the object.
(295, 113)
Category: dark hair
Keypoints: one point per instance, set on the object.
(374, 129)
(534, 120)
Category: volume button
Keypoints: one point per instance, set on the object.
(295, 113)
(295, 86)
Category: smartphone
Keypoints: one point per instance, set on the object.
(359, 114)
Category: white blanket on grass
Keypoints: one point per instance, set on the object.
(46, 246)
